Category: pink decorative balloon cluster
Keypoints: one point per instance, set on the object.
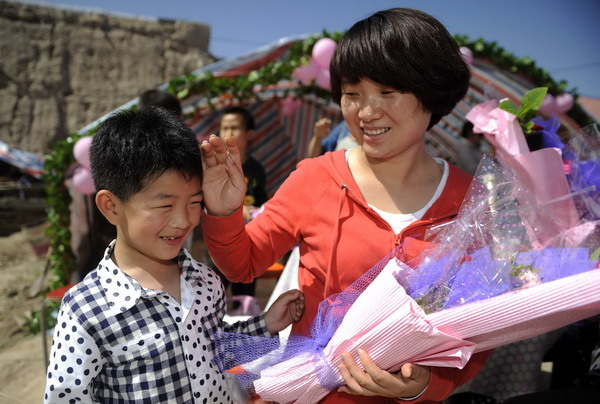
(82, 176)
(318, 67)
(559, 104)
(289, 105)
(467, 54)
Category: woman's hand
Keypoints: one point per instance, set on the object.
(223, 184)
(411, 381)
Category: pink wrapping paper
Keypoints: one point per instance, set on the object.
(541, 171)
(448, 338)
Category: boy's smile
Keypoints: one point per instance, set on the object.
(155, 222)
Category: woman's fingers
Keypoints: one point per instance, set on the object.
(357, 381)
(208, 155)
(219, 149)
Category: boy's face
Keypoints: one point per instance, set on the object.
(156, 221)
(233, 125)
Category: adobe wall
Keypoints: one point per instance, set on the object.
(61, 69)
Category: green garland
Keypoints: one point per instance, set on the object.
(62, 260)
(526, 67)
(242, 87)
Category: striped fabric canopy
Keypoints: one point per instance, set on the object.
(281, 141)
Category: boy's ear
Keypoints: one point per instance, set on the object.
(107, 204)
(250, 134)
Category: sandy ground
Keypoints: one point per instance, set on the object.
(22, 368)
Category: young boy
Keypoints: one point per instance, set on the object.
(238, 122)
(139, 328)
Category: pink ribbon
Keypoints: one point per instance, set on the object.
(500, 128)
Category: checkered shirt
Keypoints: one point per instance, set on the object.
(118, 342)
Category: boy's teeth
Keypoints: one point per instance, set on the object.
(168, 238)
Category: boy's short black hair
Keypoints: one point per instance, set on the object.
(244, 113)
(160, 98)
(407, 50)
(133, 148)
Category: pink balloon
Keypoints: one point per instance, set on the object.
(81, 151)
(564, 102)
(467, 54)
(82, 180)
(306, 73)
(289, 105)
(324, 78)
(549, 105)
(322, 51)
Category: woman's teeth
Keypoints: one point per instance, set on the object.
(375, 132)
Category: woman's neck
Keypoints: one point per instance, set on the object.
(398, 185)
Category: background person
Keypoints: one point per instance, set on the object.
(238, 123)
(326, 139)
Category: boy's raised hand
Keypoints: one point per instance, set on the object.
(287, 309)
(223, 184)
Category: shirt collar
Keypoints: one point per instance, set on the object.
(123, 292)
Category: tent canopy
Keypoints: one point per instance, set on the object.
(282, 139)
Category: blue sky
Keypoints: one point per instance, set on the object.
(560, 35)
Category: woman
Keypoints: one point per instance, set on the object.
(395, 74)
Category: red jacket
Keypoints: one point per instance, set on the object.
(340, 237)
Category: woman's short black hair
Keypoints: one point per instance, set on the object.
(133, 148)
(407, 50)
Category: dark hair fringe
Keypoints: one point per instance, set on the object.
(133, 148)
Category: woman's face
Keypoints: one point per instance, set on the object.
(386, 122)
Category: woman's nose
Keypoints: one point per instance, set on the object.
(369, 110)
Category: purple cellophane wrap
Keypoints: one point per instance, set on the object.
(486, 281)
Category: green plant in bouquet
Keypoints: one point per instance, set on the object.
(530, 104)
(434, 299)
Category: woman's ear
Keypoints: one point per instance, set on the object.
(107, 203)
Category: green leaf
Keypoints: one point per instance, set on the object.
(528, 127)
(508, 106)
(534, 98)
(183, 93)
(595, 255)
(532, 101)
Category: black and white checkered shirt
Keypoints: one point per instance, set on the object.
(118, 342)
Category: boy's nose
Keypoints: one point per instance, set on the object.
(181, 219)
